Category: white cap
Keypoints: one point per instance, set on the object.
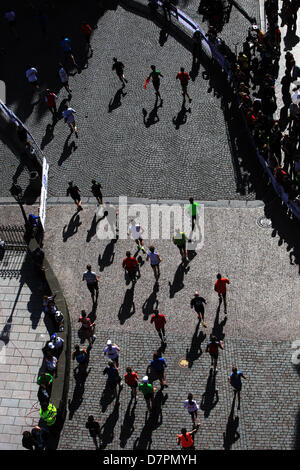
(145, 379)
(108, 342)
(51, 345)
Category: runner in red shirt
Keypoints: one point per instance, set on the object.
(131, 380)
(87, 31)
(184, 80)
(131, 265)
(50, 99)
(220, 288)
(159, 321)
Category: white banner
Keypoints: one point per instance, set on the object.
(43, 198)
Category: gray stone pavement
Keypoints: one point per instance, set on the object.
(23, 334)
(262, 323)
(174, 153)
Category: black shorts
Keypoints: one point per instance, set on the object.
(149, 396)
(93, 287)
(156, 84)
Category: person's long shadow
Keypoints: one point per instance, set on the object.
(163, 36)
(217, 329)
(116, 102)
(211, 396)
(153, 115)
(77, 398)
(127, 308)
(195, 350)
(72, 228)
(91, 232)
(67, 150)
(151, 303)
(290, 40)
(195, 69)
(231, 435)
(107, 397)
(107, 429)
(127, 428)
(181, 117)
(108, 255)
(155, 420)
(178, 284)
(49, 135)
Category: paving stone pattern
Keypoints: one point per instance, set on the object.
(154, 157)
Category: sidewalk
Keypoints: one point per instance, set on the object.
(22, 337)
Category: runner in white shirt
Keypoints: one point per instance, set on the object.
(92, 280)
(31, 75)
(155, 259)
(112, 351)
(192, 407)
(68, 115)
(64, 78)
(136, 231)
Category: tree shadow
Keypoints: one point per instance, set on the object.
(77, 398)
(144, 441)
(231, 435)
(127, 428)
(153, 115)
(67, 150)
(181, 117)
(195, 350)
(116, 101)
(151, 303)
(109, 426)
(211, 396)
(72, 228)
(108, 255)
(178, 284)
(127, 308)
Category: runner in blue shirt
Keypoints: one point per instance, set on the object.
(158, 365)
(67, 50)
(235, 380)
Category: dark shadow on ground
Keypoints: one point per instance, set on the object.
(151, 303)
(178, 284)
(195, 350)
(75, 403)
(127, 308)
(231, 435)
(72, 228)
(107, 397)
(152, 116)
(152, 422)
(67, 150)
(116, 101)
(210, 397)
(127, 428)
(217, 329)
(181, 117)
(108, 255)
(108, 428)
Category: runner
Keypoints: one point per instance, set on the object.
(81, 356)
(184, 80)
(31, 75)
(192, 407)
(74, 191)
(155, 74)
(92, 281)
(131, 380)
(87, 31)
(88, 327)
(158, 365)
(159, 321)
(148, 392)
(155, 259)
(192, 209)
(94, 429)
(113, 378)
(112, 352)
(96, 190)
(119, 68)
(131, 265)
(67, 50)
(135, 230)
(212, 347)
(64, 78)
(68, 115)
(220, 288)
(50, 99)
(235, 380)
(197, 303)
(186, 439)
(179, 239)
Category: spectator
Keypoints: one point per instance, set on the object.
(31, 75)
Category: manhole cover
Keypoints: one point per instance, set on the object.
(183, 363)
(263, 222)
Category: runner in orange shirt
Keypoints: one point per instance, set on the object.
(184, 80)
(220, 288)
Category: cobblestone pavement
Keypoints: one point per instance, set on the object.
(171, 153)
(23, 335)
(262, 323)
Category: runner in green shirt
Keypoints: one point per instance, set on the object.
(192, 209)
(148, 392)
(155, 74)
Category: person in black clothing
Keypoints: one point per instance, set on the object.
(27, 441)
(119, 68)
(94, 428)
(74, 191)
(155, 74)
(197, 303)
(96, 190)
(43, 395)
(39, 437)
(113, 378)
(167, 10)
